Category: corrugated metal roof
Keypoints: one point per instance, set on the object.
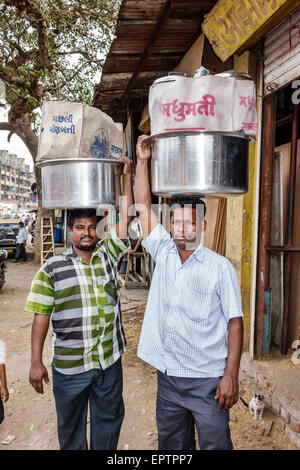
(151, 38)
(282, 53)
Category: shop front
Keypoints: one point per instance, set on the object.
(263, 38)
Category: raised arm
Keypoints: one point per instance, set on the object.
(142, 188)
(127, 200)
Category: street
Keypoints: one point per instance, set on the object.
(31, 418)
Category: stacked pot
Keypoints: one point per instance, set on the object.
(78, 152)
(200, 131)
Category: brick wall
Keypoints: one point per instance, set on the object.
(284, 413)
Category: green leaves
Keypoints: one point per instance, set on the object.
(53, 49)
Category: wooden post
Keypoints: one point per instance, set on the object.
(290, 226)
(265, 218)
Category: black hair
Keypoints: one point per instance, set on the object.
(81, 214)
(21, 223)
(192, 201)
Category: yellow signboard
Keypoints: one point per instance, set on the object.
(232, 23)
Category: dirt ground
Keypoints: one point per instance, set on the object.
(31, 417)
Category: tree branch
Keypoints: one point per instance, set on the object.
(33, 14)
(68, 80)
(4, 126)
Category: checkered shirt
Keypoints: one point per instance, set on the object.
(84, 301)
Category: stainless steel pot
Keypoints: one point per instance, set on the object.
(80, 183)
(171, 77)
(202, 163)
(233, 74)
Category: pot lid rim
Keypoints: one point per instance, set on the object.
(77, 160)
(196, 132)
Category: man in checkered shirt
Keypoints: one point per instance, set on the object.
(79, 290)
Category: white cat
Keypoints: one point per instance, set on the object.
(256, 405)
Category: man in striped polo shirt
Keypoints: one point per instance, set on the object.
(79, 290)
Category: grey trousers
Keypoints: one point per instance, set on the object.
(183, 403)
(20, 252)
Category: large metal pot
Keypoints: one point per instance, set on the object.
(233, 74)
(171, 77)
(80, 183)
(202, 163)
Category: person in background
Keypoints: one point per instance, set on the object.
(26, 221)
(21, 243)
(194, 303)
(32, 231)
(4, 394)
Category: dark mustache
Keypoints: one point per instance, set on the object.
(90, 238)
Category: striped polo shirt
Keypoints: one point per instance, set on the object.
(84, 301)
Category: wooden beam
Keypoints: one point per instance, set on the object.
(184, 4)
(130, 46)
(138, 10)
(135, 285)
(121, 63)
(118, 81)
(265, 218)
(134, 25)
(290, 230)
(149, 46)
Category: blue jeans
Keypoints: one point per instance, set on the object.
(102, 389)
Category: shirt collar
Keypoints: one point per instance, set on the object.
(198, 253)
(70, 253)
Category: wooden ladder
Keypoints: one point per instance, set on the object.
(134, 279)
(47, 239)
